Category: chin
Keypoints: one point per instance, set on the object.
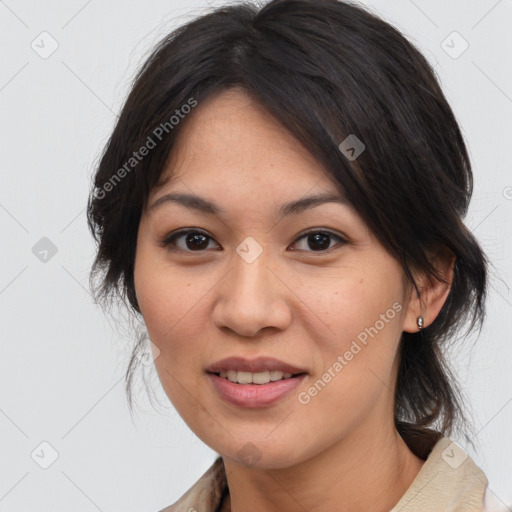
(263, 455)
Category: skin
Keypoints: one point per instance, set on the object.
(341, 450)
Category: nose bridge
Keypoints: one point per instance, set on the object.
(250, 280)
(250, 272)
(250, 298)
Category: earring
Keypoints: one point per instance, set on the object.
(419, 321)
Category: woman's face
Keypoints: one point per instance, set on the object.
(312, 288)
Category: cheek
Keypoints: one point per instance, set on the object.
(170, 303)
(363, 309)
(363, 312)
(164, 293)
(355, 299)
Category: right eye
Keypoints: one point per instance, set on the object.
(186, 240)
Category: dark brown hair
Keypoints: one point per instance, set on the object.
(325, 69)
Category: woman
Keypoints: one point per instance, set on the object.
(281, 203)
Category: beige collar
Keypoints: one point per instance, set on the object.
(448, 481)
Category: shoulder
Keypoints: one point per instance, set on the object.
(449, 480)
(205, 494)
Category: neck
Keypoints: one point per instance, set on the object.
(369, 469)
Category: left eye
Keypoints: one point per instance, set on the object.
(319, 241)
(196, 241)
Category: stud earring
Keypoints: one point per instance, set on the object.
(419, 321)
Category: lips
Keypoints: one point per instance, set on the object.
(259, 364)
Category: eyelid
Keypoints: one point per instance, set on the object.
(171, 237)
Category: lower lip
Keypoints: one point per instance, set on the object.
(254, 395)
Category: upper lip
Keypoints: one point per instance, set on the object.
(259, 364)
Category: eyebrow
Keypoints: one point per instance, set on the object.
(204, 205)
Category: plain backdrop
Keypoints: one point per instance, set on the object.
(65, 71)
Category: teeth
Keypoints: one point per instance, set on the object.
(244, 377)
(254, 378)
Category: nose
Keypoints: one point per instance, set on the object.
(250, 298)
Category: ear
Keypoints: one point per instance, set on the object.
(433, 293)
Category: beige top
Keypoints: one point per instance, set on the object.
(448, 481)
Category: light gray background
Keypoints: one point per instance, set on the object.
(62, 362)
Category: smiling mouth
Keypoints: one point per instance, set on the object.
(258, 378)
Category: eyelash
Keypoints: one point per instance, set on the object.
(169, 240)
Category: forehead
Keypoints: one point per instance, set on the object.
(231, 140)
